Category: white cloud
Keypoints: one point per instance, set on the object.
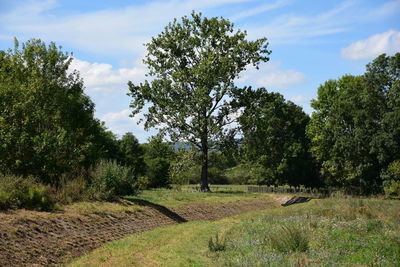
(122, 116)
(119, 31)
(389, 8)
(120, 123)
(291, 28)
(299, 99)
(271, 76)
(260, 9)
(102, 77)
(5, 37)
(387, 42)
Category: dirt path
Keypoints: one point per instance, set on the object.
(33, 238)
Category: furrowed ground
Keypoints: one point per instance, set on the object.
(48, 238)
(322, 232)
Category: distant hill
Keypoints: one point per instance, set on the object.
(181, 146)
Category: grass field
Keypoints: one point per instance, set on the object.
(218, 188)
(325, 232)
(174, 198)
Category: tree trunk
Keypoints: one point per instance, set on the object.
(204, 168)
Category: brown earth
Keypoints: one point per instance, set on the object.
(37, 238)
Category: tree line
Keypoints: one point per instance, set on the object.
(232, 135)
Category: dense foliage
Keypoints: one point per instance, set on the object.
(158, 156)
(132, 153)
(110, 180)
(47, 126)
(274, 138)
(194, 64)
(355, 129)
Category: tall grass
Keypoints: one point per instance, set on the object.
(326, 232)
(289, 239)
(21, 192)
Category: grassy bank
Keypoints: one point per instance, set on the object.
(328, 232)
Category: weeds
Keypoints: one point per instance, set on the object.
(72, 190)
(289, 239)
(20, 192)
(217, 244)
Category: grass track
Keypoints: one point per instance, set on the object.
(179, 245)
(339, 232)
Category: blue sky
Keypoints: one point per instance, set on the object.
(311, 41)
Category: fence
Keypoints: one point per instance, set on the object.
(273, 189)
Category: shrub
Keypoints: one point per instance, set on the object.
(289, 239)
(180, 168)
(72, 190)
(110, 180)
(216, 244)
(20, 192)
(392, 189)
(391, 184)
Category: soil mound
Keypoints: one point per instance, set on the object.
(37, 238)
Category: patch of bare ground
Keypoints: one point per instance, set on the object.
(37, 238)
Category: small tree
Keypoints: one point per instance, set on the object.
(194, 64)
(158, 157)
(132, 153)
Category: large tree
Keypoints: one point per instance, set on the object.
(193, 64)
(274, 137)
(355, 129)
(47, 126)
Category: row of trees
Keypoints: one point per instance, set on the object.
(240, 135)
(352, 137)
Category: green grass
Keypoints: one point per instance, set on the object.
(218, 188)
(328, 232)
(173, 198)
(180, 245)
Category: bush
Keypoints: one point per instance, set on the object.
(20, 192)
(180, 171)
(72, 190)
(110, 180)
(392, 189)
(391, 184)
(289, 239)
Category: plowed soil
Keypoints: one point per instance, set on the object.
(38, 238)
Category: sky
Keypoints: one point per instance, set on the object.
(311, 42)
